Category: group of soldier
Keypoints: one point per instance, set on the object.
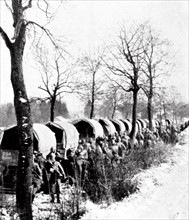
(54, 169)
(47, 173)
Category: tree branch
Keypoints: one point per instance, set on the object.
(9, 8)
(48, 33)
(28, 6)
(6, 39)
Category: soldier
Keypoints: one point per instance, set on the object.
(56, 173)
(70, 166)
(52, 151)
(99, 147)
(115, 151)
(81, 162)
(92, 144)
(121, 147)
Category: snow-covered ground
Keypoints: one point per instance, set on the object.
(163, 193)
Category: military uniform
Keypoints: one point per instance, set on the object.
(55, 174)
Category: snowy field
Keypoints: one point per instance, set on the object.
(163, 193)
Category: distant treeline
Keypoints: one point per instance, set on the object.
(40, 112)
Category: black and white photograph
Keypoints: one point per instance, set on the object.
(94, 109)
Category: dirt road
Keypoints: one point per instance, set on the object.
(163, 193)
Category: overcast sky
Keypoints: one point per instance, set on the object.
(90, 24)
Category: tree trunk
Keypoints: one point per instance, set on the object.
(93, 97)
(25, 132)
(114, 108)
(164, 109)
(92, 109)
(160, 119)
(134, 114)
(52, 108)
(149, 110)
(150, 95)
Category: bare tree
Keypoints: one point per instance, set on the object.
(92, 81)
(115, 99)
(111, 101)
(125, 64)
(155, 65)
(174, 102)
(16, 47)
(161, 103)
(56, 73)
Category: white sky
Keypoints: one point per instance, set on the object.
(89, 24)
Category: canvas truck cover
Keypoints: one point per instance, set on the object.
(108, 126)
(88, 128)
(153, 123)
(69, 134)
(119, 125)
(147, 122)
(143, 123)
(127, 124)
(60, 118)
(45, 137)
(139, 125)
